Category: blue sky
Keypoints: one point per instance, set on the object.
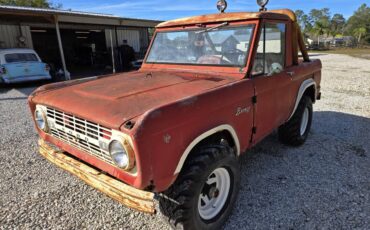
(170, 9)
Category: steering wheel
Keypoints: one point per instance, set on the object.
(225, 61)
(232, 53)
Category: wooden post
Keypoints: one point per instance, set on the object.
(111, 44)
(61, 48)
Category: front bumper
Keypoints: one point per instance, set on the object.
(25, 79)
(129, 196)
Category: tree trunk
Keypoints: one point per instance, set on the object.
(359, 40)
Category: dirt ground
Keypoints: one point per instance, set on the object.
(324, 184)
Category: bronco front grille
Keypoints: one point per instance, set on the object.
(87, 136)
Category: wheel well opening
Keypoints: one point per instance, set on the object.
(310, 92)
(222, 137)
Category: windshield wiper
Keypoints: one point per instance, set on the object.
(212, 28)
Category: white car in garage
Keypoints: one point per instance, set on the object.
(22, 65)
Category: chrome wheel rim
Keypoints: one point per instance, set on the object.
(214, 194)
(304, 121)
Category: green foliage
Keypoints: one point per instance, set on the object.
(319, 22)
(359, 24)
(338, 22)
(31, 3)
(361, 31)
(303, 21)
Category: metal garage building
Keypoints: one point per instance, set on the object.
(77, 42)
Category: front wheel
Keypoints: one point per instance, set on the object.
(204, 193)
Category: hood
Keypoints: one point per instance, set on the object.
(113, 100)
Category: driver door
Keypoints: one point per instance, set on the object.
(270, 80)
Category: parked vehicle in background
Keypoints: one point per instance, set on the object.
(22, 65)
(210, 87)
(137, 64)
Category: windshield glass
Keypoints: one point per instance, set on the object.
(226, 46)
(20, 57)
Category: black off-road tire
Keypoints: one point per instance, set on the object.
(179, 204)
(290, 132)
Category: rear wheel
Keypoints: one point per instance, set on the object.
(296, 130)
(204, 193)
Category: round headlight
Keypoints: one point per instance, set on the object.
(40, 119)
(221, 5)
(262, 3)
(119, 154)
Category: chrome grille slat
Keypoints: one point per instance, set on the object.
(69, 128)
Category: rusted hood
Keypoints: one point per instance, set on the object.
(113, 100)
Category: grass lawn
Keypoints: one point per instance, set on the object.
(355, 52)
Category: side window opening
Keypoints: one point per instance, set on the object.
(270, 57)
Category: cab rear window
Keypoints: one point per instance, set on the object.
(20, 57)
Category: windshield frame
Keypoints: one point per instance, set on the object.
(252, 25)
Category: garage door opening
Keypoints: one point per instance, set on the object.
(85, 51)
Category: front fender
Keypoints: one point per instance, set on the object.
(165, 136)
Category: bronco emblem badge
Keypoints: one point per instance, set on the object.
(241, 110)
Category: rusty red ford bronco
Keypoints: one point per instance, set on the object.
(167, 138)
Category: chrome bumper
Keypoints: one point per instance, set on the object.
(25, 79)
(129, 196)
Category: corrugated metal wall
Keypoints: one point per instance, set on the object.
(144, 38)
(9, 36)
(132, 37)
(136, 38)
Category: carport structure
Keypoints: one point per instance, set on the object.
(71, 39)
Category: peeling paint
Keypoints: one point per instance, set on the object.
(167, 138)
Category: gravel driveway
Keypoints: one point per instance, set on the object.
(324, 184)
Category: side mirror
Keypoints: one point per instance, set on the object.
(275, 69)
